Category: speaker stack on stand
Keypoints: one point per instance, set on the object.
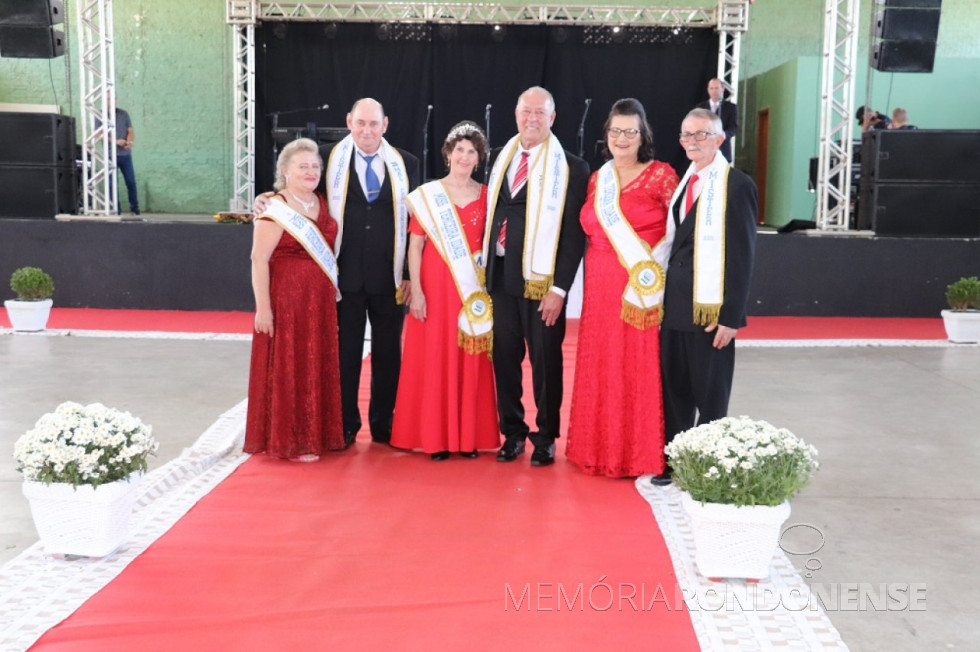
(905, 35)
(26, 29)
(917, 182)
(38, 171)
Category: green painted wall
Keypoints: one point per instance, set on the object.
(174, 77)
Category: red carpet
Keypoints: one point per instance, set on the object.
(759, 328)
(375, 549)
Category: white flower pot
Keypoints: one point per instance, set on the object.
(28, 316)
(734, 542)
(87, 521)
(962, 325)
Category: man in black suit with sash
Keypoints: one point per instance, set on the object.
(365, 181)
(728, 112)
(712, 223)
(533, 247)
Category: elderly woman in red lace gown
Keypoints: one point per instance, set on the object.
(617, 423)
(294, 377)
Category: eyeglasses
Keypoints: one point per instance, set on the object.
(616, 132)
(697, 135)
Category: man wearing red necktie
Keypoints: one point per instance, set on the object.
(712, 222)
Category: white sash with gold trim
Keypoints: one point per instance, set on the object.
(644, 293)
(436, 213)
(307, 234)
(709, 237)
(338, 177)
(547, 183)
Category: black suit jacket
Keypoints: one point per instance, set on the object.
(740, 235)
(367, 249)
(729, 122)
(571, 241)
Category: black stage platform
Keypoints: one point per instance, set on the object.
(205, 266)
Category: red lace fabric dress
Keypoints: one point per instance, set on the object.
(617, 419)
(446, 398)
(294, 378)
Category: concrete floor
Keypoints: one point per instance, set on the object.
(896, 502)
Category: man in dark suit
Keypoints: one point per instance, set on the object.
(528, 298)
(728, 112)
(366, 267)
(708, 276)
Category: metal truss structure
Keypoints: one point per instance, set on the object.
(97, 87)
(729, 18)
(244, 127)
(840, 44)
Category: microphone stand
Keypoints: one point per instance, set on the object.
(275, 146)
(486, 132)
(425, 143)
(581, 129)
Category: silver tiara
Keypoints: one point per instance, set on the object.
(462, 130)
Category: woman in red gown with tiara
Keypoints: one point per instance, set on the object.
(617, 420)
(294, 378)
(446, 399)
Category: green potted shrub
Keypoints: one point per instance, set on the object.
(736, 477)
(30, 310)
(962, 320)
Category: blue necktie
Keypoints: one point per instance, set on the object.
(371, 179)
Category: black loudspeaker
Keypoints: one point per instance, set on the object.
(25, 29)
(37, 139)
(31, 42)
(906, 33)
(921, 155)
(924, 210)
(908, 25)
(904, 56)
(32, 12)
(921, 4)
(29, 191)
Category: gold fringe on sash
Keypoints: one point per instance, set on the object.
(639, 318)
(706, 314)
(399, 296)
(537, 289)
(474, 344)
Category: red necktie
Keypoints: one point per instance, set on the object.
(689, 198)
(520, 178)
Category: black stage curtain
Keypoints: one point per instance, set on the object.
(460, 69)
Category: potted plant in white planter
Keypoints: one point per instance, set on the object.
(737, 476)
(30, 310)
(962, 320)
(81, 466)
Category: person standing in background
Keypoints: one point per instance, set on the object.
(727, 111)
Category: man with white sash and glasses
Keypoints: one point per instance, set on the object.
(712, 227)
(366, 182)
(533, 246)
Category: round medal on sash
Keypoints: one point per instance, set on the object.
(478, 307)
(646, 277)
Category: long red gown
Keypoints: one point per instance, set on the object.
(617, 419)
(446, 398)
(294, 377)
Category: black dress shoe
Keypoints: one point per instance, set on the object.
(510, 451)
(440, 456)
(470, 455)
(543, 455)
(661, 480)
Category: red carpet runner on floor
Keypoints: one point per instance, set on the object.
(375, 548)
(759, 328)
